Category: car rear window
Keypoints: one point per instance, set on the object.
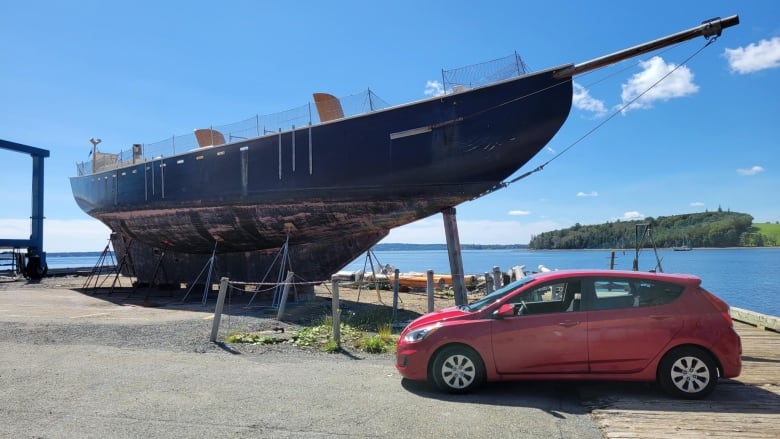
(658, 293)
(616, 294)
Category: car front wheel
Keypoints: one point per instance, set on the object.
(688, 372)
(457, 369)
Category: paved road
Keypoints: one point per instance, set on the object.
(62, 388)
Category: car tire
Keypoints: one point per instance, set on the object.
(457, 369)
(688, 372)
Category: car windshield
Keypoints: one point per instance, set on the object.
(498, 294)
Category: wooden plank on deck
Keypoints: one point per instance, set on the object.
(745, 407)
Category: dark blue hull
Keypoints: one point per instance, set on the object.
(334, 189)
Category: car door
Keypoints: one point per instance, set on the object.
(628, 325)
(548, 337)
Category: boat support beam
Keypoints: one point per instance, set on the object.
(454, 253)
(35, 267)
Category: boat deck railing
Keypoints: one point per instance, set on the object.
(257, 126)
(453, 80)
(488, 72)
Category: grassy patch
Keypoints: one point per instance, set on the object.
(369, 332)
(251, 338)
(354, 331)
(383, 341)
(771, 233)
(761, 235)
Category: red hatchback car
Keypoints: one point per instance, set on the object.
(579, 325)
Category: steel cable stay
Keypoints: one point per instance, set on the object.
(602, 123)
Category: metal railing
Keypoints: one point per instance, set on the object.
(260, 125)
(472, 76)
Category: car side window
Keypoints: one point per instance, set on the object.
(612, 294)
(628, 293)
(549, 298)
(657, 293)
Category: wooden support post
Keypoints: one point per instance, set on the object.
(396, 280)
(285, 292)
(488, 283)
(335, 310)
(223, 286)
(456, 259)
(498, 278)
(429, 275)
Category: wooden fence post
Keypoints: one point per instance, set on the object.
(223, 286)
(335, 310)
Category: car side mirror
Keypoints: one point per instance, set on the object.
(505, 310)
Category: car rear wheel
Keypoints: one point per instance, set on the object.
(457, 369)
(688, 372)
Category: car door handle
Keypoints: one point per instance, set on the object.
(568, 324)
(660, 317)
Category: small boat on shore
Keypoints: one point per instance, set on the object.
(420, 280)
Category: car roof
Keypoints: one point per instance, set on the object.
(679, 278)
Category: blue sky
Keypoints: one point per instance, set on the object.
(140, 72)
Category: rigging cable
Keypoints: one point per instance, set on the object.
(615, 113)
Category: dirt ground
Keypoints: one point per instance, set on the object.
(364, 302)
(90, 362)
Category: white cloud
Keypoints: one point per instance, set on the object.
(519, 212)
(434, 88)
(431, 231)
(754, 57)
(697, 204)
(752, 171)
(588, 194)
(677, 84)
(61, 235)
(632, 215)
(582, 99)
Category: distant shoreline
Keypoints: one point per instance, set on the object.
(426, 247)
(402, 246)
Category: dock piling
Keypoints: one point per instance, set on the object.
(498, 278)
(429, 289)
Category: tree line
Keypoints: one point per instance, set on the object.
(707, 229)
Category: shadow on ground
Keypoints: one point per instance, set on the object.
(729, 397)
(243, 303)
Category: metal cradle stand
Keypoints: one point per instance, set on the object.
(209, 270)
(283, 256)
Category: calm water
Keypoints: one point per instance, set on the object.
(54, 260)
(745, 278)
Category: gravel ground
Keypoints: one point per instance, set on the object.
(83, 364)
(192, 334)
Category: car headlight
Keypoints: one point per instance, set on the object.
(420, 334)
